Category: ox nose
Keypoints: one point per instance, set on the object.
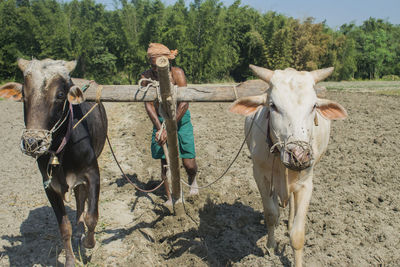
(35, 142)
(297, 157)
(30, 144)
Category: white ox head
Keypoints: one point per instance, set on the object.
(292, 104)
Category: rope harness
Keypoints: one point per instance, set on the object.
(36, 149)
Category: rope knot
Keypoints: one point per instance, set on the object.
(150, 83)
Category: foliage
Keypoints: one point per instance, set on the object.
(215, 42)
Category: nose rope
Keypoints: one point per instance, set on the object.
(279, 144)
(61, 121)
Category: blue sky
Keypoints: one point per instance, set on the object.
(335, 12)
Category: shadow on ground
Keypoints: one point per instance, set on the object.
(40, 241)
(226, 234)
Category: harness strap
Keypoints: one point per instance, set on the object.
(69, 131)
(272, 147)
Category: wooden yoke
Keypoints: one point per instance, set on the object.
(168, 104)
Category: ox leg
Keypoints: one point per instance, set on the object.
(80, 197)
(63, 223)
(270, 204)
(291, 212)
(92, 215)
(302, 199)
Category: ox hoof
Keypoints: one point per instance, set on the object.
(271, 244)
(168, 203)
(193, 192)
(70, 262)
(88, 241)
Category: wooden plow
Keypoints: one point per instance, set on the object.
(170, 95)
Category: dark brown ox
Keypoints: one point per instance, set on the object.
(52, 106)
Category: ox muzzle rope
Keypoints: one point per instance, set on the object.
(286, 147)
(37, 142)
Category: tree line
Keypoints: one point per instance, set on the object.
(215, 42)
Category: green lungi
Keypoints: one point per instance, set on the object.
(185, 139)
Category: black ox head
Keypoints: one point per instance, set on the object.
(46, 93)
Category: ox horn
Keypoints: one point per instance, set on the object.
(22, 64)
(321, 74)
(70, 65)
(262, 73)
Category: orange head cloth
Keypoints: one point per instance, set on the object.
(158, 50)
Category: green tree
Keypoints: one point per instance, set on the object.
(310, 44)
(373, 40)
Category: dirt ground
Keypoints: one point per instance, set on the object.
(353, 219)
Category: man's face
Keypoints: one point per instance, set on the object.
(153, 63)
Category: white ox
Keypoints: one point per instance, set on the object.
(287, 135)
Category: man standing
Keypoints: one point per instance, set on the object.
(185, 128)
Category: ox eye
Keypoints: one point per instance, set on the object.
(273, 107)
(60, 95)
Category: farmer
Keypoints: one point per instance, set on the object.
(185, 128)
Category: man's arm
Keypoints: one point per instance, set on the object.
(180, 80)
(152, 113)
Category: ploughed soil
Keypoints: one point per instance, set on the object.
(353, 219)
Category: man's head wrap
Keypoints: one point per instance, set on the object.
(158, 50)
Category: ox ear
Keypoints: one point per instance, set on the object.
(331, 110)
(248, 105)
(75, 95)
(11, 91)
(22, 64)
(321, 74)
(70, 65)
(262, 73)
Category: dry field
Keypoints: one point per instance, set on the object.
(354, 217)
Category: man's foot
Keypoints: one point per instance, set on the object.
(194, 190)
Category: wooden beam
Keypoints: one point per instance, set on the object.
(168, 106)
(191, 93)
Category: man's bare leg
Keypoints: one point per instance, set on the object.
(191, 170)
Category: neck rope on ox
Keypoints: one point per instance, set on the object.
(273, 148)
(54, 161)
(65, 139)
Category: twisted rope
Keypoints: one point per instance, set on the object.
(126, 177)
(98, 96)
(230, 165)
(151, 83)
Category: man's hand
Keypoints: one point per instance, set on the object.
(161, 139)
